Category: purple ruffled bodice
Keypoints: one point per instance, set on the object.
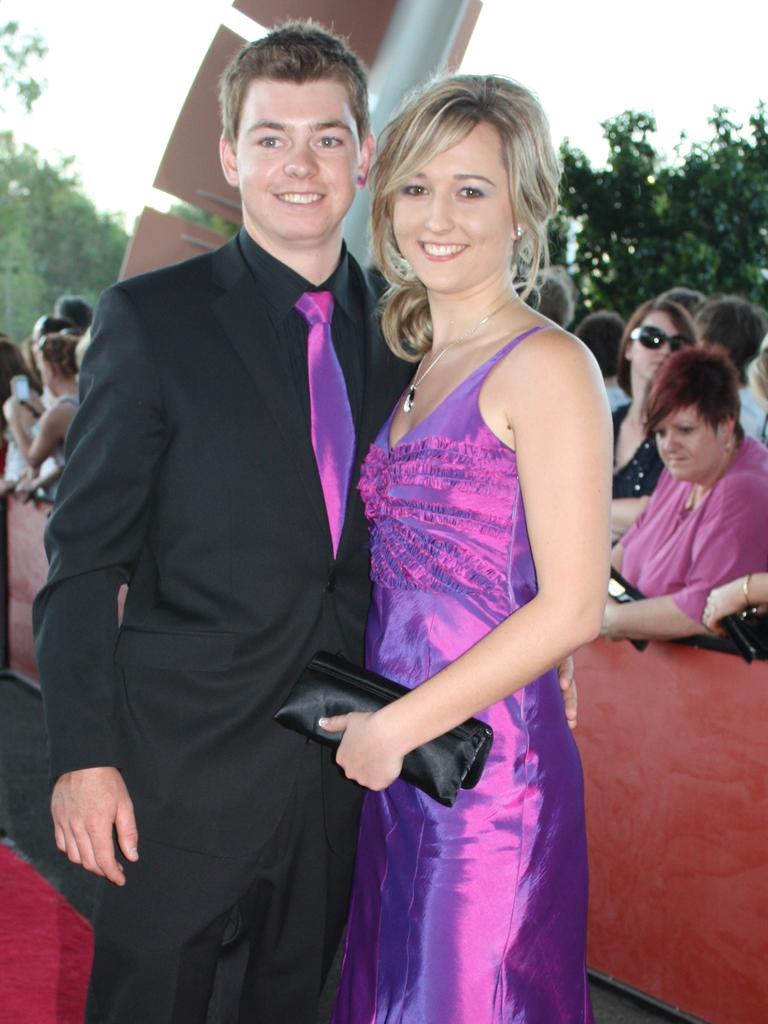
(463, 493)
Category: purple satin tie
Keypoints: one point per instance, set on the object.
(333, 432)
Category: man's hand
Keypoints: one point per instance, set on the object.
(567, 675)
(86, 805)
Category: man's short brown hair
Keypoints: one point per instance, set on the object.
(297, 51)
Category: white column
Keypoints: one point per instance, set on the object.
(418, 42)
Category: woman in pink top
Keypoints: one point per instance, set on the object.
(707, 521)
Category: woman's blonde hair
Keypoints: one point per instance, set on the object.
(433, 120)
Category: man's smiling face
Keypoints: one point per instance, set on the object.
(297, 162)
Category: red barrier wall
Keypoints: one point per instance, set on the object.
(674, 742)
(27, 570)
(675, 749)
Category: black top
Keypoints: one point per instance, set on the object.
(282, 288)
(640, 475)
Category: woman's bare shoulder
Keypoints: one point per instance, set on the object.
(549, 360)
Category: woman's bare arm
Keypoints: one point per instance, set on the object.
(654, 618)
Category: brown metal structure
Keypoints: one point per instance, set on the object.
(363, 22)
(161, 239)
(190, 166)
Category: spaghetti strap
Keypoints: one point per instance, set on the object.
(506, 349)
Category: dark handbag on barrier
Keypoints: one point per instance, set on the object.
(331, 685)
(748, 633)
(622, 591)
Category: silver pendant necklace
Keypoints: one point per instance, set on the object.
(417, 381)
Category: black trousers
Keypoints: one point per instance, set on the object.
(158, 938)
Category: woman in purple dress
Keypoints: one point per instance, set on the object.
(488, 491)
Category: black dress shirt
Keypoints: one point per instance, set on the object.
(282, 288)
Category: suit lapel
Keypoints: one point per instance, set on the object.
(243, 315)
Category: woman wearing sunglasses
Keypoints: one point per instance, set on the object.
(705, 523)
(654, 331)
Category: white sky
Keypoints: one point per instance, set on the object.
(116, 82)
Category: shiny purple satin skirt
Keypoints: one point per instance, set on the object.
(473, 914)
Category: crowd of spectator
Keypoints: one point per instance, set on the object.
(686, 376)
(690, 492)
(706, 520)
(38, 398)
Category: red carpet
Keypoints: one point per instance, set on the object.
(45, 949)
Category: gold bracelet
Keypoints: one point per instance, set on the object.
(745, 589)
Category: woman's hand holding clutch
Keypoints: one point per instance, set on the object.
(367, 753)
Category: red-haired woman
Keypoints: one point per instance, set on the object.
(706, 521)
(655, 330)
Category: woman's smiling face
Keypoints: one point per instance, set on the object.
(453, 220)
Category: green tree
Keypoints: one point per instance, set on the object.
(54, 239)
(642, 224)
(17, 52)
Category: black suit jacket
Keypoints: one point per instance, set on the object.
(191, 477)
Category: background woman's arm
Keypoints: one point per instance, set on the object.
(729, 599)
(52, 429)
(655, 618)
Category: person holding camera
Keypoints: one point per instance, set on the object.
(44, 438)
(12, 370)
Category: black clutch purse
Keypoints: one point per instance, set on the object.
(622, 591)
(331, 685)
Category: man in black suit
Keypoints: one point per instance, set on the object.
(191, 477)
